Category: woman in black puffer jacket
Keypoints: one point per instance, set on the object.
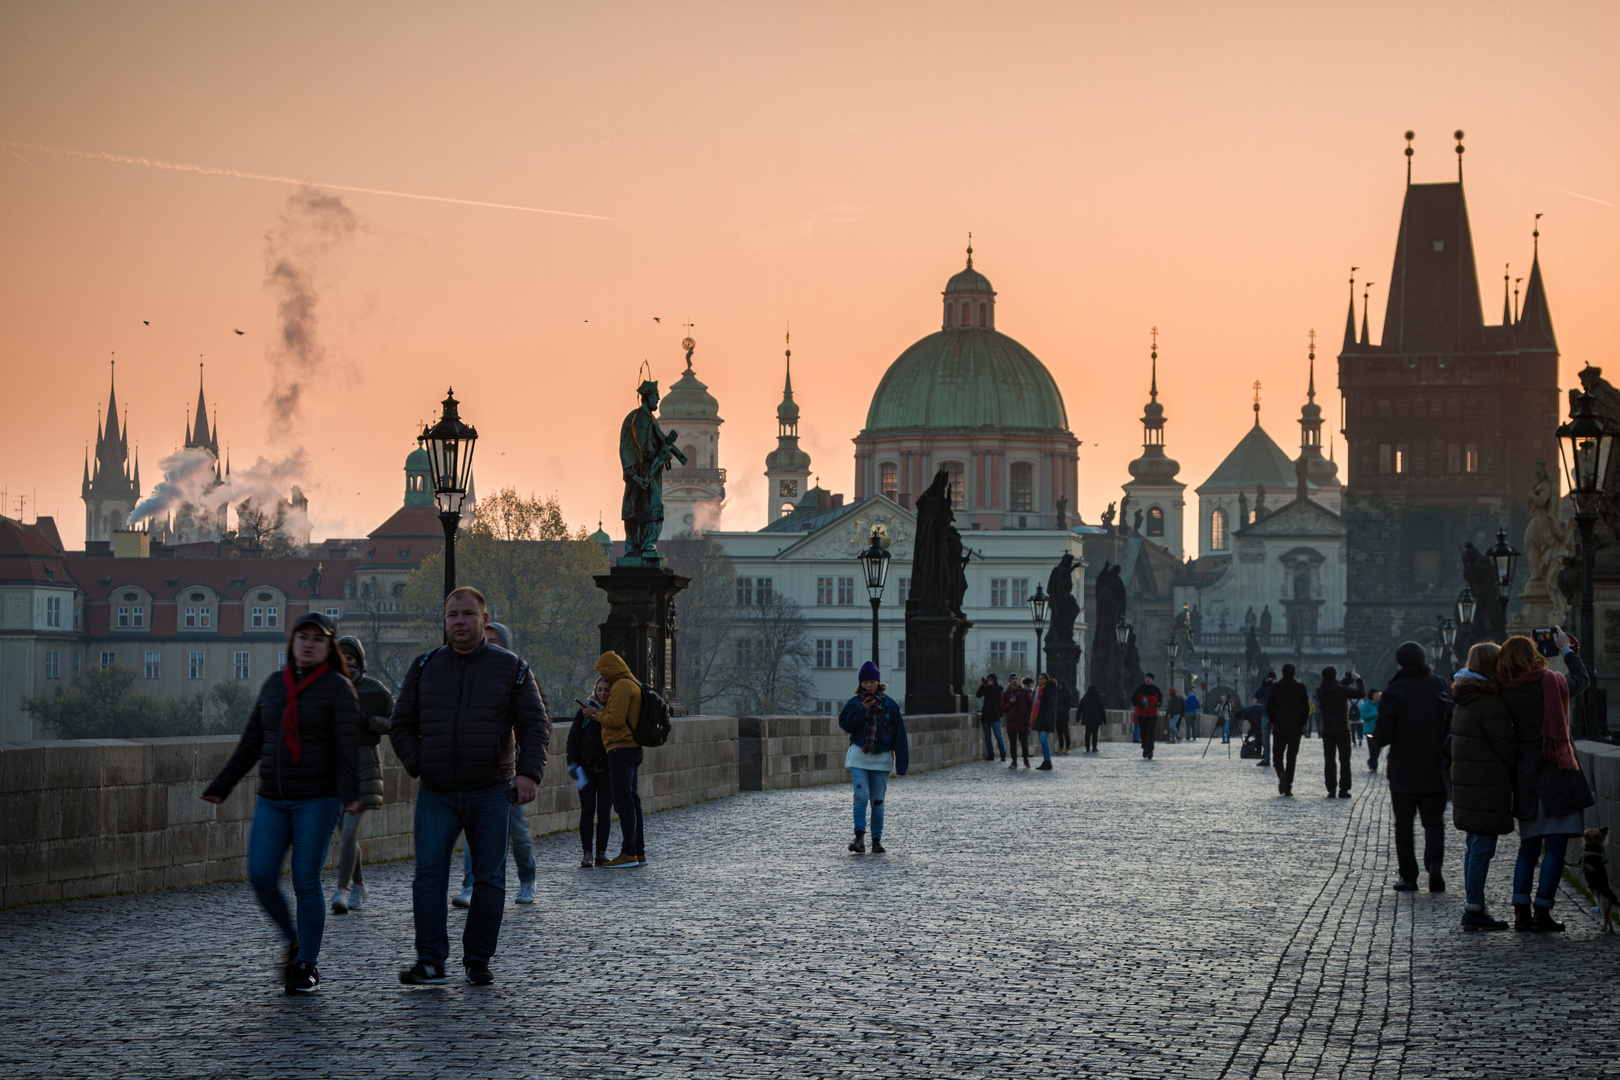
(1484, 755)
(303, 735)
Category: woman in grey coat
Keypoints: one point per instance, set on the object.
(376, 707)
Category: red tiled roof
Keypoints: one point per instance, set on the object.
(230, 578)
(409, 536)
(31, 553)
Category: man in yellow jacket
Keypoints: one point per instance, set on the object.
(618, 722)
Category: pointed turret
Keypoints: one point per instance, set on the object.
(1317, 476)
(787, 468)
(1350, 317)
(1535, 321)
(1507, 307)
(199, 436)
(1153, 483)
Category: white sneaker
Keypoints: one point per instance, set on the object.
(464, 900)
(526, 893)
(357, 896)
(340, 902)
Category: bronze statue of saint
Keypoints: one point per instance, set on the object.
(644, 453)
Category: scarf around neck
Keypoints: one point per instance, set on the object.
(289, 715)
(874, 714)
(1555, 744)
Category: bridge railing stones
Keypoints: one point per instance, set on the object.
(90, 817)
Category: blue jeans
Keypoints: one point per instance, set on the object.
(1552, 868)
(1265, 738)
(870, 786)
(1477, 854)
(994, 725)
(441, 817)
(1226, 729)
(306, 826)
(1046, 744)
(522, 840)
(624, 766)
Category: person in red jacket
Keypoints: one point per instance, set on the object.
(1015, 702)
(1145, 708)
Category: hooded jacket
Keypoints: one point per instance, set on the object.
(328, 751)
(1092, 711)
(1145, 701)
(376, 708)
(1015, 702)
(1484, 755)
(585, 747)
(470, 721)
(1051, 699)
(1414, 718)
(618, 720)
(990, 711)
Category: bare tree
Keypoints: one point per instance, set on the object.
(708, 618)
(770, 653)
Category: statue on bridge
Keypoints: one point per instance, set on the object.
(644, 455)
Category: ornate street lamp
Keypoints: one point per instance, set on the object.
(875, 566)
(1122, 632)
(1448, 635)
(449, 445)
(1038, 604)
(1465, 607)
(1584, 444)
(1172, 651)
(1504, 556)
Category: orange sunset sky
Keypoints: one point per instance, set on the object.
(1210, 169)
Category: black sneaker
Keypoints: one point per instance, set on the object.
(1404, 886)
(302, 978)
(877, 846)
(289, 957)
(586, 862)
(1436, 882)
(423, 973)
(1045, 766)
(478, 972)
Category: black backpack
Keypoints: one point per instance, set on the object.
(652, 727)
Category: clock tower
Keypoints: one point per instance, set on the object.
(787, 468)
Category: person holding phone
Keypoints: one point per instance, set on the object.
(587, 760)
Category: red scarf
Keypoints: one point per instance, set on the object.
(1555, 744)
(289, 716)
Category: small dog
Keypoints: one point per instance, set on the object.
(1597, 876)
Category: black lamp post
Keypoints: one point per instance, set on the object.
(1584, 444)
(1465, 607)
(1037, 614)
(449, 446)
(875, 566)
(1122, 635)
(1448, 636)
(1504, 556)
(1172, 651)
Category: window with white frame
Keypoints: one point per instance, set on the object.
(123, 618)
(194, 664)
(846, 590)
(762, 590)
(889, 480)
(846, 652)
(1021, 487)
(824, 652)
(1018, 592)
(826, 708)
(53, 612)
(53, 664)
(108, 659)
(905, 590)
(77, 662)
(256, 618)
(196, 618)
(281, 660)
(1018, 655)
(824, 591)
(900, 655)
(332, 613)
(153, 667)
(998, 654)
(241, 666)
(998, 592)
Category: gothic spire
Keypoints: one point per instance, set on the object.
(1350, 318)
(1535, 321)
(1366, 339)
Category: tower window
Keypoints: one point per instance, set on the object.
(889, 480)
(984, 314)
(1021, 487)
(1471, 458)
(1403, 458)
(1217, 530)
(958, 483)
(1155, 521)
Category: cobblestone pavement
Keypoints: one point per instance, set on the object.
(1112, 918)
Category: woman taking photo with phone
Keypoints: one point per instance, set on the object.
(304, 734)
(1549, 790)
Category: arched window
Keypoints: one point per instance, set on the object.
(889, 480)
(1217, 530)
(1021, 487)
(1302, 582)
(787, 508)
(1155, 521)
(984, 310)
(958, 484)
(691, 457)
(950, 314)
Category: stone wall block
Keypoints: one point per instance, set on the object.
(27, 864)
(154, 849)
(185, 804)
(181, 875)
(117, 855)
(21, 817)
(22, 767)
(69, 859)
(81, 812)
(212, 755)
(188, 843)
(70, 764)
(123, 762)
(41, 893)
(173, 761)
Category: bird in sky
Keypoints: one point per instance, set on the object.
(239, 332)
(656, 319)
(146, 322)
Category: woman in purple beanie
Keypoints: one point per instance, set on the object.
(877, 743)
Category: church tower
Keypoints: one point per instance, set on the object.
(189, 523)
(1153, 490)
(1445, 419)
(1320, 475)
(111, 491)
(694, 492)
(787, 468)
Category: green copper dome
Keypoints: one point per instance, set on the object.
(688, 399)
(967, 378)
(968, 280)
(418, 478)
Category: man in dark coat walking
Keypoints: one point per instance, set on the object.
(1145, 702)
(990, 715)
(1333, 700)
(1288, 706)
(1414, 718)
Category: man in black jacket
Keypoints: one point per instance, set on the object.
(1288, 706)
(1414, 718)
(471, 727)
(990, 715)
(1333, 699)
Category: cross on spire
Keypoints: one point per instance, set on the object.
(1153, 387)
(1257, 403)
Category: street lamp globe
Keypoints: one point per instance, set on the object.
(449, 445)
(1448, 631)
(1466, 605)
(875, 566)
(1037, 609)
(1172, 650)
(1504, 556)
(1584, 443)
(1122, 632)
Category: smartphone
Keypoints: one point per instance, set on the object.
(1543, 636)
(584, 706)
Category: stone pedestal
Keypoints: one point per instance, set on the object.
(1063, 662)
(641, 625)
(936, 662)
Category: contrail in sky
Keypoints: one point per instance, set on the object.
(210, 170)
(1578, 195)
